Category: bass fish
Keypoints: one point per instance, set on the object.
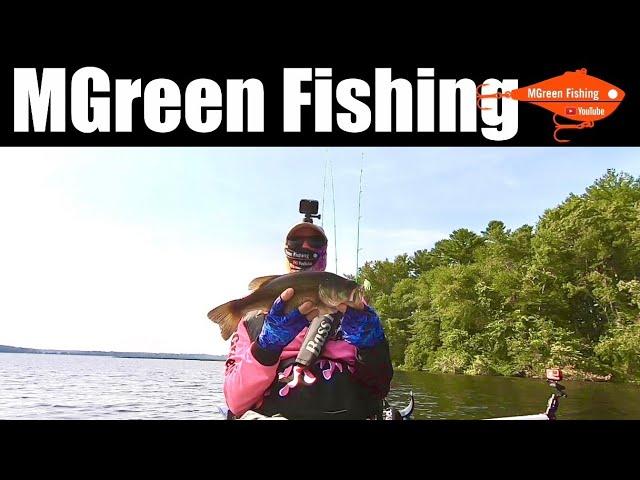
(326, 290)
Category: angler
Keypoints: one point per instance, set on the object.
(165, 105)
(346, 374)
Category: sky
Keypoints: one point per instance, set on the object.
(127, 249)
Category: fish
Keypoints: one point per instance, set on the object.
(325, 289)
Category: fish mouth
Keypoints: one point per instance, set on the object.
(355, 293)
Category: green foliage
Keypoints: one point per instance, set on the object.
(565, 293)
(423, 342)
(394, 328)
(620, 349)
(383, 275)
(537, 344)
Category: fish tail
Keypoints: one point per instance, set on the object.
(227, 316)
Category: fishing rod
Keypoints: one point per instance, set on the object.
(328, 167)
(324, 186)
(359, 218)
(335, 235)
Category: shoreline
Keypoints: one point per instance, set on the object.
(568, 373)
(143, 355)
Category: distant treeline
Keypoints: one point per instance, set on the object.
(563, 293)
(168, 356)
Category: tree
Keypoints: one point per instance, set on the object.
(563, 293)
(458, 249)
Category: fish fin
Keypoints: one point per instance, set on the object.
(227, 316)
(256, 283)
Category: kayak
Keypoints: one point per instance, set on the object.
(553, 377)
(538, 416)
(388, 412)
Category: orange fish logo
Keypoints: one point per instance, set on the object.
(575, 96)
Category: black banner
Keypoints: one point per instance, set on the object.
(410, 115)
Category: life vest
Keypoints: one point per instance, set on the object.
(334, 395)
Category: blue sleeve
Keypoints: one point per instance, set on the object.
(362, 328)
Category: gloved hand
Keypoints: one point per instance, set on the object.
(361, 328)
(279, 329)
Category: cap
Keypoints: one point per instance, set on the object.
(306, 227)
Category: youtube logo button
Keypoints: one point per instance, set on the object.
(570, 111)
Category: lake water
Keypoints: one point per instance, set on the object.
(37, 386)
(88, 387)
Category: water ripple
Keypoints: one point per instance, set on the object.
(84, 387)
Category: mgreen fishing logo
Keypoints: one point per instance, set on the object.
(575, 96)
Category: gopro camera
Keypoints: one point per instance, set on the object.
(310, 209)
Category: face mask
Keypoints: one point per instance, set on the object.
(306, 259)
